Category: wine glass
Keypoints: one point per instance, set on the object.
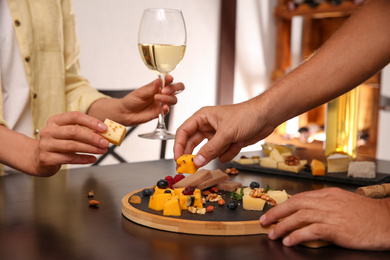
(162, 40)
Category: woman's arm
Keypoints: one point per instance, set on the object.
(66, 139)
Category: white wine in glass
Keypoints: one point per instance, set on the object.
(162, 40)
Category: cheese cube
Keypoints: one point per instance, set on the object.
(157, 201)
(275, 155)
(115, 132)
(338, 163)
(247, 160)
(268, 162)
(278, 195)
(250, 203)
(292, 168)
(245, 190)
(186, 164)
(361, 169)
(172, 207)
(285, 154)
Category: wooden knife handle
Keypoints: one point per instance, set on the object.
(375, 191)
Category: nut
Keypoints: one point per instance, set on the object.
(91, 193)
(192, 209)
(213, 197)
(201, 211)
(94, 203)
(204, 200)
(221, 202)
(255, 193)
(292, 160)
(214, 189)
(234, 171)
(206, 192)
(231, 171)
(210, 209)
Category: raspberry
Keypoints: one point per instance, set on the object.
(169, 178)
(178, 177)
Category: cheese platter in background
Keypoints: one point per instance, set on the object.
(284, 160)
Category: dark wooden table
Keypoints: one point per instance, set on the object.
(49, 218)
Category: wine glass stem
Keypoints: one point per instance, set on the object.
(161, 121)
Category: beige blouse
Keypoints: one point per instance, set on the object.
(46, 33)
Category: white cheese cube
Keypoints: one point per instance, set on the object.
(361, 169)
(268, 162)
(275, 155)
(115, 132)
(278, 195)
(250, 203)
(245, 190)
(247, 160)
(338, 163)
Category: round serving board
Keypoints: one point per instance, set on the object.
(221, 222)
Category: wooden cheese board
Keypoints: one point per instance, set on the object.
(221, 222)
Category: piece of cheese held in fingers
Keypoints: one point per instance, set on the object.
(115, 132)
(186, 164)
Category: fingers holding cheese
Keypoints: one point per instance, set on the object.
(115, 132)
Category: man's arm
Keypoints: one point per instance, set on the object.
(356, 52)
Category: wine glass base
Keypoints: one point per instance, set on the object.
(160, 134)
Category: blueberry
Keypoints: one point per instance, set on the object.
(254, 184)
(162, 184)
(232, 204)
(168, 191)
(147, 192)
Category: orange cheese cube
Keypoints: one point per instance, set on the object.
(197, 200)
(157, 201)
(172, 207)
(317, 168)
(186, 164)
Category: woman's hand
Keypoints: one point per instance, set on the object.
(140, 105)
(68, 138)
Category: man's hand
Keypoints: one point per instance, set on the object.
(227, 128)
(334, 215)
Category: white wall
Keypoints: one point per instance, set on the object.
(255, 48)
(108, 32)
